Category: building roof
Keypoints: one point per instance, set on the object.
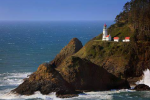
(116, 38)
(105, 25)
(107, 36)
(127, 38)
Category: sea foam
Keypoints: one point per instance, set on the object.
(107, 95)
(99, 95)
(36, 95)
(12, 79)
(146, 78)
(15, 79)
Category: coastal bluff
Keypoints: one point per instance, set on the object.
(70, 76)
(124, 60)
(99, 65)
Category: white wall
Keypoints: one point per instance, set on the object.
(116, 40)
(126, 40)
(104, 33)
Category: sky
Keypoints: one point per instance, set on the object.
(59, 10)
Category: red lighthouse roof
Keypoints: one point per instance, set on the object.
(105, 25)
(116, 38)
(127, 38)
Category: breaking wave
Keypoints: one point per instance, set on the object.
(36, 95)
(103, 95)
(12, 79)
(9, 81)
(146, 78)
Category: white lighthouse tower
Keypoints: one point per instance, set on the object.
(104, 32)
(105, 36)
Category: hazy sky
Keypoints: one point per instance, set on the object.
(60, 9)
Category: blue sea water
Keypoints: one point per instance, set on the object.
(26, 45)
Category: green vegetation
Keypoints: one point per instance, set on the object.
(124, 59)
(120, 31)
(133, 21)
(136, 14)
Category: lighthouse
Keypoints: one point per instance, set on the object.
(105, 36)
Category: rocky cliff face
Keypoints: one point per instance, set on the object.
(68, 73)
(124, 60)
(74, 46)
(98, 65)
(85, 75)
(46, 80)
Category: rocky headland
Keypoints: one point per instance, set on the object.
(70, 75)
(46, 80)
(99, 65)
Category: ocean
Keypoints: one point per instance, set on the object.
(26, 45)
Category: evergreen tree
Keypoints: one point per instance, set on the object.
(137, 13)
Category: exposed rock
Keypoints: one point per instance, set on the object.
(124, 60)
(68, 73)
(46, 80)
(85, 75)
(74, 46)
(133, 80)
(142, 87)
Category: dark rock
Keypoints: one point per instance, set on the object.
(142, 87)
(124, 60)
(68, 73)
(85, 75)
(66, 94)
(74, 46)
(46, 80)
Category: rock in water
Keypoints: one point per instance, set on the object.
(46, 80)
(142, 87)
(74, 46)
(85, 75)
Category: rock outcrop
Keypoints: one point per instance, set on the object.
(99, 65)
(74, 46)
(68, 73)
(142, 87)
(124, 60)
(73, 74)
(85, 75)
(46, 80)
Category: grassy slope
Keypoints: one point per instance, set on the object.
(121, 31)
(120, 59)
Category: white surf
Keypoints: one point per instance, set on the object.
(146, 78)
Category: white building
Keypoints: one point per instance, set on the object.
(105, 36)
(127, 39)
(116, 39)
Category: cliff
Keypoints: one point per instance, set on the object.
(85, 75)
(124, 60)
(46, 80)
(68, 75)
(98, 65)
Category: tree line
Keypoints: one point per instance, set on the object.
(137, 13)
